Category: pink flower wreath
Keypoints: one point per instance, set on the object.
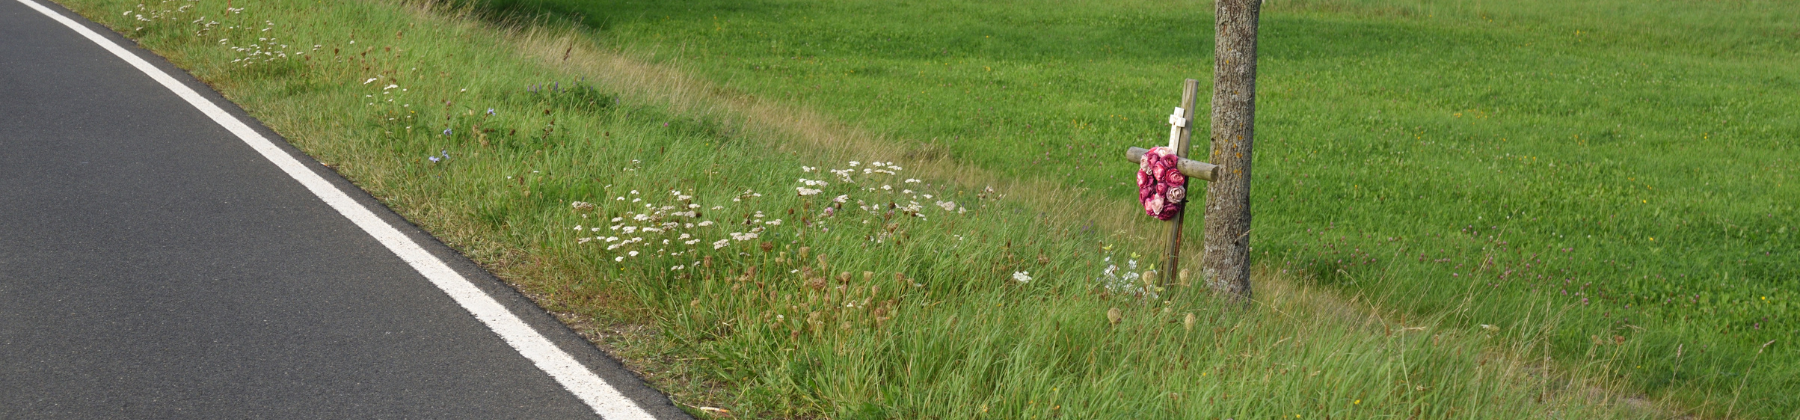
(1161, 186)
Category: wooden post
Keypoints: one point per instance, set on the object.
(1172, 259)
(1226, 263)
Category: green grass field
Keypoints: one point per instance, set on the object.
(1635, 160)
(1463, 210)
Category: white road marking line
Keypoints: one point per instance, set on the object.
(603, 398)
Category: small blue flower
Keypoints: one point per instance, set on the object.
(446, 131)
(434, 159)
(490, 111)
(446, 153)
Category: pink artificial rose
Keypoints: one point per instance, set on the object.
(1157, 173)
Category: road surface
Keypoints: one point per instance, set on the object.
(155, 263)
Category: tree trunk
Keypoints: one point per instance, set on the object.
(1226, 263)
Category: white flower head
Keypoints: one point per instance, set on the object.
(1022, 276)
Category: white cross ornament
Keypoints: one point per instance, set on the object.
(1176, 122)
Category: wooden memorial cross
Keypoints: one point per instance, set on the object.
(1180, 130)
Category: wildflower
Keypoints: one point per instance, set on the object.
(577, 227)
(632, 253)
(390, 86)
(371, 79)
(582, 205)
(434, 159)
(446, 131)
(1022, 276)
(854, 163)
(841, 198)
(490, 112)
(947, 205)
(807, 191)
(705, 223)
(912, 181)
(721, 243)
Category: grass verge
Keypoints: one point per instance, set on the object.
(666, 222)
(1628, 159)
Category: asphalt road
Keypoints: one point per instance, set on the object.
(153, 265)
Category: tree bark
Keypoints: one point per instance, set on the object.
(1226, 263)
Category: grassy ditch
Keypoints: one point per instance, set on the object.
(756, 259)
